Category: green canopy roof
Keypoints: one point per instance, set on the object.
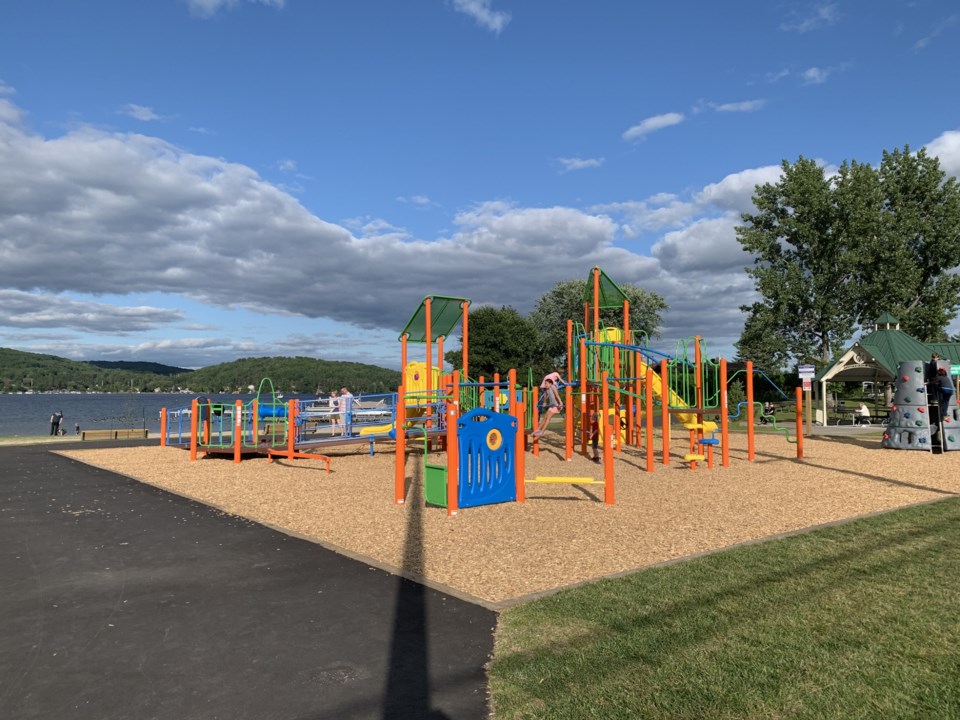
(445, 313)
(611, 296)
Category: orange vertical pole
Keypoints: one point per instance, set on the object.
(800, 423)
(521, 457)
(466, 345)
(429, 333)
(400, 449)
(453, 450)
(750, 433)
(237, 430)
(291, 427)
(403, 352)
(496, 392)
(440, 357)
(648, 393)
(583, 396)
(569, 377)
(194, 428)
(665, 411)
(724, 417)
(607, 444)
(617, 397)
(627, 361)
(163, 427)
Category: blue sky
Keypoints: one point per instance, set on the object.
(193, 181)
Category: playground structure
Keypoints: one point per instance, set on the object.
(921, 418)
(483, 426)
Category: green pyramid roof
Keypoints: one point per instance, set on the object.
(891, 347)
(611, 296)
(445, 313)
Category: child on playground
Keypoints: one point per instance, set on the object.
(551, 402)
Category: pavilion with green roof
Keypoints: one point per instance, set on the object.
(875, 357)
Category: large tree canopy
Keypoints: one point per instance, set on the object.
(831, 253)
(499, 339)
(565, 301)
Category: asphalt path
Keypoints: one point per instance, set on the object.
(120, 600)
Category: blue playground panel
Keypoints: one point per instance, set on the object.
(488, 468)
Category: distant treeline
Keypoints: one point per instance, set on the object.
(24, 371)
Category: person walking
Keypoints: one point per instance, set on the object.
(334, 403)
(346, 408)
(55, 421)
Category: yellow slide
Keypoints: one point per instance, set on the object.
(675, 401)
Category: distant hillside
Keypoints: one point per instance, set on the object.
(23, 371)
(139, 367)
(292, 375)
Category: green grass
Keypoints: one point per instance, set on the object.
(855, 621)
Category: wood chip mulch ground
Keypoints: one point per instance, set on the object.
(562, 534)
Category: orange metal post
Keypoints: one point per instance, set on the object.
(724, 417)
(453, 449)
(521, 456)
(163, 427)
(291, 426)
(237, 430)
(665, 411)
(194, 428)
(618, 398)
(440, 359)
(496, 392)
(466, 345)
(400, 480)
(750, 433)
(800, 423)
(607, 443)
(569, 377)
(648, 397)
(403, 352)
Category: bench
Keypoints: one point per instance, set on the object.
(113, 434)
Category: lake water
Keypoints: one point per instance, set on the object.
(22, 415)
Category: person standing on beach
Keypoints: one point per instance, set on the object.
(346, 411)
(55, 421)
(334, 412)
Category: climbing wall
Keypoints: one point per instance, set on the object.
(909, 424)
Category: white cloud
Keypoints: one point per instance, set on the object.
(735, 191)
(484, 14)
(947, 148)
(776, 76)
(34, 310)
(139, 112)
(419, 200)
(6, 89)
(936, 32)
(819, 16)
(744, 106)
(815, 75)
(209, 8)
(287, 165)
(651, 124)
(569, 164)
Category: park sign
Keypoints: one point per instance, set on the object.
(806, 372)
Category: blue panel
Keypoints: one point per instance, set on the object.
(487, 472)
